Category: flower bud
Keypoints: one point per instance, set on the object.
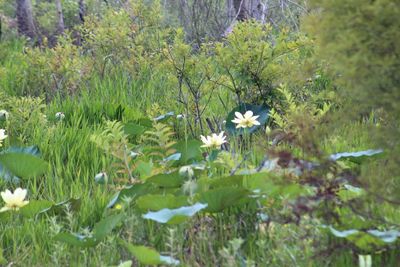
(101, 178)
(3, 114)
(60, 115)
(186, 171)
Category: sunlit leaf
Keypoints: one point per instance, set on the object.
(164, 116)
(357, 157)
(174, 215)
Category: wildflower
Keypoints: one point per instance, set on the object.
(2, 136)
(15, 200)
(3, 114)
(180, 116)
(214, 140)
(60, 115)
(118, 207)
(246, 120)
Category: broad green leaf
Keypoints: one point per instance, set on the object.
(349, 192)
(357, 157)
(126, 264)
(31, 150)
(170, 180)
(273, 186)
(60, 208)
(76, 240)
(105, 226)
(132, 192)
(173, 216)
(173, 157)
(223, 197)
(158, 202)
(100, 231)
(190, 151)
(146, 255)
(164, 116)
(23, 165)
(261, 111)
(386, 236)
(133, 129)
(35, 207)
(144, 168)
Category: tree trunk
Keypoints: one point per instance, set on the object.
(60, 23)
(26, 25)
(249, 9)
(82, 11)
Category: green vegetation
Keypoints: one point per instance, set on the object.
(125, 142)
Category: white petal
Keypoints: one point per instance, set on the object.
(6, 195)
(239, 115)
(203, 139)
(248, 114)
(20, 194)
(3, 209)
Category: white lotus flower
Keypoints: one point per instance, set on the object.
(15, 200)
(245, 120)
(60, 115)
(2, 136)
(214, 140)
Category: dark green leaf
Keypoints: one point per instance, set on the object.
(158, 202)
(34, 207)
(223, 197)
(105, 226)
(170, 180)
(146, 255)
(190, 151)
(133, 192)
(23, 165)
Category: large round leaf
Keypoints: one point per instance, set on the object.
(261, 111)
(23, 165)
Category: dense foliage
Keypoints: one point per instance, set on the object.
(128, 141)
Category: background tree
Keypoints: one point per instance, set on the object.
(360, 41)
(26, 24)
(60, 17)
